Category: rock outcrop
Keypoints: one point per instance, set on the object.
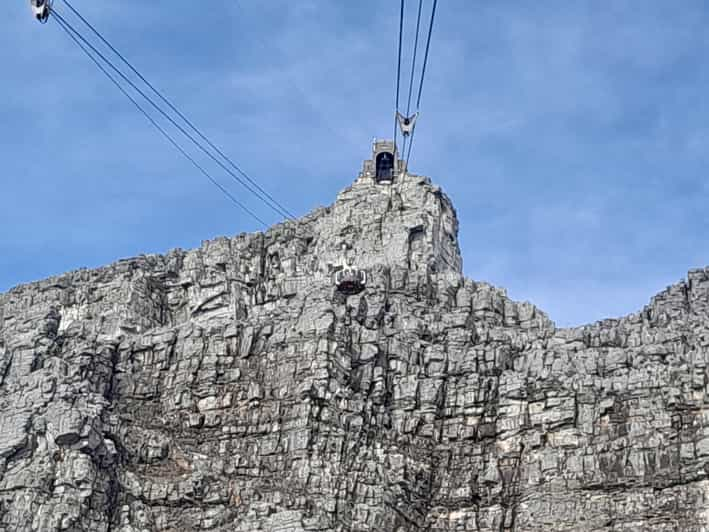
(232, 387)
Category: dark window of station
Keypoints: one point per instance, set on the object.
(385, 166)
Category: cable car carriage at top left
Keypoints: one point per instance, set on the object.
(41, 10)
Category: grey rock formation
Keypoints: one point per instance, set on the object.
(231, 387)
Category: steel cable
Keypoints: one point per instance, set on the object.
(398, 74)
(70, 32)
(283, 210)
(423, 75)
(413, 61)
(278, 210)
(413, 72)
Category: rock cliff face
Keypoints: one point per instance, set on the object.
(233, 388)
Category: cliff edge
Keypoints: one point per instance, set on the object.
(233, 387)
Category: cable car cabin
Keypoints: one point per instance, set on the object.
(350, 281)
(385, 167)
(41, 9)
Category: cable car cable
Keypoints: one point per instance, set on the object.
(283, 210)
(398, 73)
(413, 61)
(423, 75)
(60, 21)
(162, 112)
(413, 71)
(425, 55)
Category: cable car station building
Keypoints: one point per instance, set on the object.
(385, 165)
(384, 168)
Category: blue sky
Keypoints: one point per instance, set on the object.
(571, 136)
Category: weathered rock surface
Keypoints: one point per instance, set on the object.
(232, 388)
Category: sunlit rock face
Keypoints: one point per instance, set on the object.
(232, 387)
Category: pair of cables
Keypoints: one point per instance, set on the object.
(407, 122)
(165, 108)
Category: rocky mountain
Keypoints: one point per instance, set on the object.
(234, 387)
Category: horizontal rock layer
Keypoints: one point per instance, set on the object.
(232, 387)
